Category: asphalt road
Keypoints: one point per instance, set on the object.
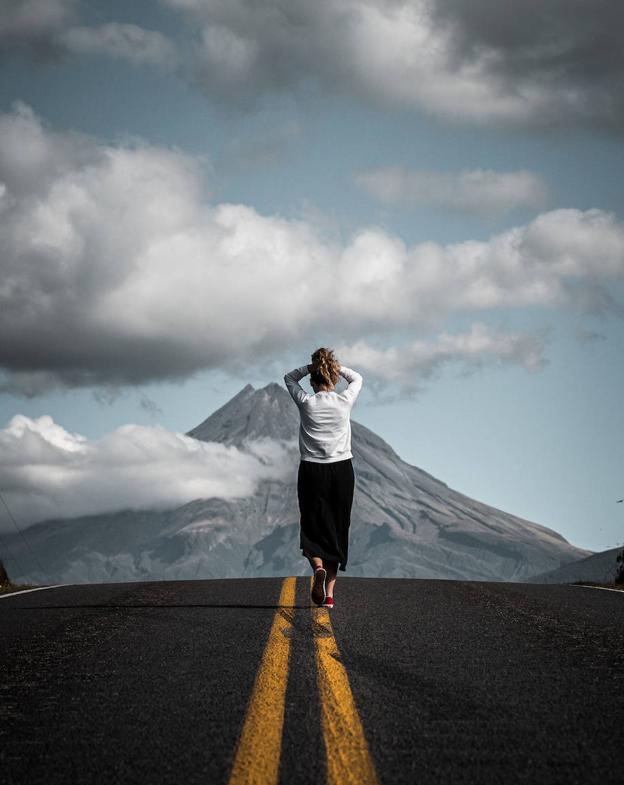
(446, 681)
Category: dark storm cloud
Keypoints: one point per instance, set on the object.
(32, 27)
(535, 63)
(47, 31)
(540, 63)
(572, 47)
(562, 38)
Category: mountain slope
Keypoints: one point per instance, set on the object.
(599, 568)
(405, 522)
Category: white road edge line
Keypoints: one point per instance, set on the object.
(602, 588)
(38, 588)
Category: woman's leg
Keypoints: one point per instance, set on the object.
(308, 480)
(332, 572)
(315, 561)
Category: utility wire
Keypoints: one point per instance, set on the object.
(13, 556)
(34, 555)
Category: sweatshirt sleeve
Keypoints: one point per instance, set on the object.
(291, 380)
(355, 383)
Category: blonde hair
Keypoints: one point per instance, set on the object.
(325, 367)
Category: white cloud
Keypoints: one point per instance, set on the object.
(479, 191)
(47, 471)
(122, 41)
(409, 363)
(114, 270)
(33, 157)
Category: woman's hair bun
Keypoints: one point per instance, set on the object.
(325, 367)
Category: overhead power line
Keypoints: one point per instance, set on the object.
(5, 547)
(21, 533)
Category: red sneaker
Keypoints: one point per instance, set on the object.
(318, 589)
(329, 602)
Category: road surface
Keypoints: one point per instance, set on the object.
(241, 680)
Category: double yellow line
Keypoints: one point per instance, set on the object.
(258, 751)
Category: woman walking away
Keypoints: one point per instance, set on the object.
(326, 481)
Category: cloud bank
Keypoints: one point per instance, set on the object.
(483, 192)
(48, 472)
(116, 271)
(540, 63)
(535, 63)
(405, 365)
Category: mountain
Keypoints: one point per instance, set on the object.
(599, 568)
(405, 522)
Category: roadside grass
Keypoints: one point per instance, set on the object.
(8, 586)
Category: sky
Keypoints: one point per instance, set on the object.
(197, 194)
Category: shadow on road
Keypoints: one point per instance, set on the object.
(157, 605)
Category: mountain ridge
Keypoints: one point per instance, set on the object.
(600, 567)
(405, 522)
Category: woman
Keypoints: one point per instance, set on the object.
(326, 481)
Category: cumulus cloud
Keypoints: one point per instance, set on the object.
(407, 364)
(47, 471)
(122, 41)
(539, 63)
(483, 192)
(115, 270)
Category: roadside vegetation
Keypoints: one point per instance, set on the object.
(6, 584)
(618, 579)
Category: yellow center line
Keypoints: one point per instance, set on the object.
(348, 758)
(257, 754)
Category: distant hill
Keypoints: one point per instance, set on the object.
(599, 568)
(405, 522)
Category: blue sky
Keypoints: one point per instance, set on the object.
(248, 186)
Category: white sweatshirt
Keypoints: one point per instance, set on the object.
(325, 427)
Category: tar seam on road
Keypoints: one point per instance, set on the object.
(348, 758)
(257, 754)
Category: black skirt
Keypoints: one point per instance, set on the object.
(325, 492)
